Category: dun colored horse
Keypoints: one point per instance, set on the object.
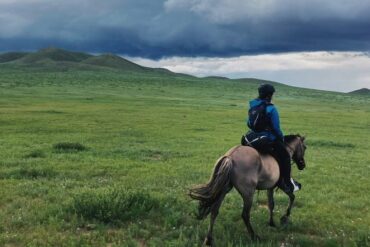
(247, 170)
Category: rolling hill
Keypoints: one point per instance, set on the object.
(113, 61)
(11, 56)
(362, 91)
(52, 54)
(55, 58)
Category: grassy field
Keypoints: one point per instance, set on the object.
(105, 158)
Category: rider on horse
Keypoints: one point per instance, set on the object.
(270, 127)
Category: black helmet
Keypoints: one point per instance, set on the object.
(265, 90)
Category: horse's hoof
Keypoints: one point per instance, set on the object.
(284, 220)
(208, 241)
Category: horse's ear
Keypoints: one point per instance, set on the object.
(303, 138)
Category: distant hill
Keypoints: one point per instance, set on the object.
(53, 54)
(55, 59)
(216, 77)
(59, 59)
(362, 91)
(113, 61)
(11, 56)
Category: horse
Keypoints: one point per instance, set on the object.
(247, 170)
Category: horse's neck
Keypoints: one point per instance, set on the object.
(291, 147)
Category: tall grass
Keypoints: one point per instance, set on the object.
(113, 205)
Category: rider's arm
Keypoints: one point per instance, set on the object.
(276, 124)
(248, 123)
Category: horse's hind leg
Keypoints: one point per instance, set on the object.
(285, 218)
(271, 204)
(214, 212)
(247, 193)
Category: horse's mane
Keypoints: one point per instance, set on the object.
(290, 138)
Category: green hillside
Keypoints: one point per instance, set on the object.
(362, 91)
(53, 54)
(113, 61)
(11, 56)
(216, 77)
(94, 155)
(55, 59)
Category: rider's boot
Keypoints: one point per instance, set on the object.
(289, 185)
(297, 186)
(285, 186)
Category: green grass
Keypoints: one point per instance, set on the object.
(105, 158)
(113, 205)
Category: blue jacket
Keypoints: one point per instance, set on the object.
(273, 113)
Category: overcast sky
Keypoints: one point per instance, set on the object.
(224, 37)
(334, 71)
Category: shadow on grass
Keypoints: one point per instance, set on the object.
(35, 154)
(29, 173)
(69, 147)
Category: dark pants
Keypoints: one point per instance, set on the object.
(283, 159)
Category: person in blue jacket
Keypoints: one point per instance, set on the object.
(274, 133)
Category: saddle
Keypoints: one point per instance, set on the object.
(259, 142)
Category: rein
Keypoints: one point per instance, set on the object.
(290, 149)
(293, 155)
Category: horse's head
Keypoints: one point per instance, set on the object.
(298, 147)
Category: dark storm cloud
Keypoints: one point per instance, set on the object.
(157, 28)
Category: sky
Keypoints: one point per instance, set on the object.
(308, 43)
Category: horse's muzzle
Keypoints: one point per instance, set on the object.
(301, 164)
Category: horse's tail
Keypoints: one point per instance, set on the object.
(218, 185)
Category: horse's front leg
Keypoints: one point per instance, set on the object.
(284, 220)
(271, 204)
